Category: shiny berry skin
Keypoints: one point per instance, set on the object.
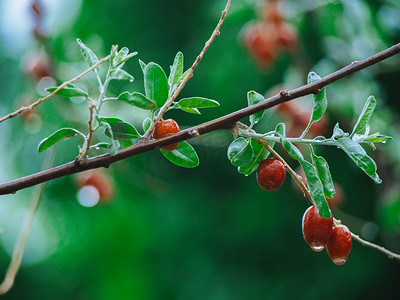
(339, 244)
(166, 128)
(316, 229)
(270, 174)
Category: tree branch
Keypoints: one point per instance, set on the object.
(224, 122)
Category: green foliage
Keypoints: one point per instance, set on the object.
(61, 134)
(69, 91)
(156, 84)
(184, 155)
(254, 98)
(240, 152)
(137, 99)
(119, 130)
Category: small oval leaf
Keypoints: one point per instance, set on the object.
(119, 74)
(254, 98)
(240, 152)
(316, 189)
(365, 115)
(197, 102)
(137, 99)
(120, 130)
(360, 157)
(69, 91)
(63, 133)
(184, 155)
(176, 69)
(324, 174)
(88, 55)
(156, 84)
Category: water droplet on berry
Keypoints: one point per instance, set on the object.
(340, 260)
(317, 247)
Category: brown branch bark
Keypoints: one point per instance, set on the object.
(224, 122)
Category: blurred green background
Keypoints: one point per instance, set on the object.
(208, 232)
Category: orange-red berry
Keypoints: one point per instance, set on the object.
(339, 244)
(270, 174)
(316, 229)
(166, 128)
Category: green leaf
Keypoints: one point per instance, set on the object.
(69, 91)
(377, 138)
(190, 110)
(293, 151)
(121, 57)
(137, 99)
(197, 102)
(320, 100)
(254, 98)
(156, 84)
(365, 115)
(102, 145)
(63, 133)
(142, 65)
(324, 174)
(120, 74)
(182, 77)
(120, 130)
(88, 55)
(240, 152)
(360, 157)
(176, 69)
(259, 154)
(146, 124)
(184, 155)
(316, 189)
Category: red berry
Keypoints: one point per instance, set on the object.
(339, 244)
(166, 128)
(316, 229)
(259, 39)
(286, 35)
(271, 174)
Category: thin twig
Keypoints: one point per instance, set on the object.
(89, 138)
(189, 75)
(25, 230)
(34, 104)
(390, 254)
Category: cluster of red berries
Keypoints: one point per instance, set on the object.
(320, 232)
(267, 37)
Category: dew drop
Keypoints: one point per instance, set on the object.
(339, 260)
(383, 142)
(130, 80)
(317, 247)
(97, 148)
